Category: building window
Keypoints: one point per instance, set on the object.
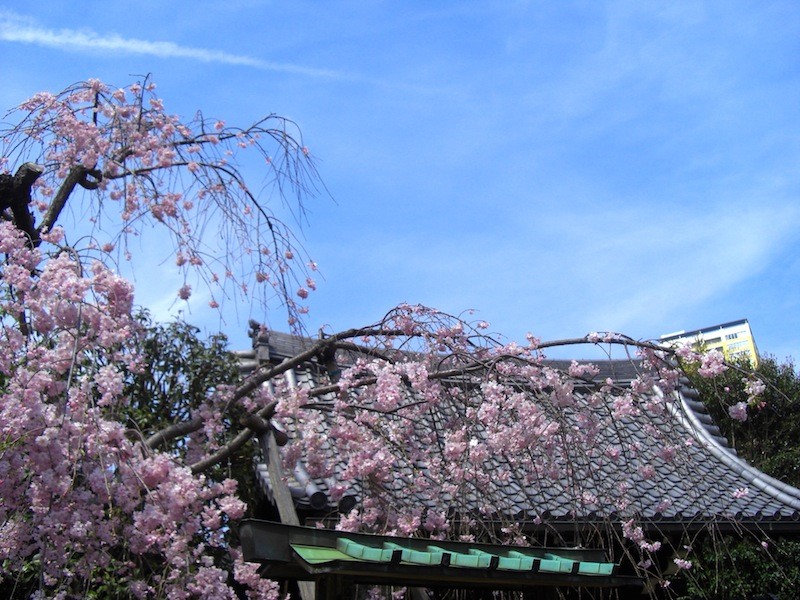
(736, 346)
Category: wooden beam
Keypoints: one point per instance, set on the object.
(282, 496)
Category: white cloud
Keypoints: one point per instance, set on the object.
(649, 267)
(14, 28)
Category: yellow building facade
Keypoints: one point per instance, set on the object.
(734, 339)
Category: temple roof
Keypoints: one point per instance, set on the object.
(670, 469)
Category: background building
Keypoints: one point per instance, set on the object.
(734, 339)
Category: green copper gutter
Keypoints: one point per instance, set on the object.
(304, 553)
(474, 558)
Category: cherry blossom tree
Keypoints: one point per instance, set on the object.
(101, 501)
(120, 164)
(89, 508)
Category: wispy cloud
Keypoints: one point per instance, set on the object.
(14, 28)
(646, 270)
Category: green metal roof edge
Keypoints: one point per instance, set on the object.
(281, 535)
(315, 555)
(474, 558)
(306, 553)
(511, 559)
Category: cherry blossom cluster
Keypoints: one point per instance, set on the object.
(711, 364)
(83, 497)
(131, 164)
(432, 421)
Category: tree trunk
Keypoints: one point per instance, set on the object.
(15, 194)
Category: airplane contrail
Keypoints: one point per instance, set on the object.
(15, 29)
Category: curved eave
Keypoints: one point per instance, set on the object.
(780, 491)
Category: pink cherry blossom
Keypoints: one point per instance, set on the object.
(738, 411)
(712, 363)
(741, 493)
(682, 563)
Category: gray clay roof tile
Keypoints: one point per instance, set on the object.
(706, 479)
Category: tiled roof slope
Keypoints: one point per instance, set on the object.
(707, 481)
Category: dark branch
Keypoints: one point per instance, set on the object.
(76, 176)
(15, 194)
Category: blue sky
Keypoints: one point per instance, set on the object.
(560, 167)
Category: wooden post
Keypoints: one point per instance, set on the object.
(282, 495)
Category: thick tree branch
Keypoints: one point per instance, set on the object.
(87, 178)
(337, 340)
(176, 430)
(15, 194)
(259, 419)
(313, 351)
(224, 452)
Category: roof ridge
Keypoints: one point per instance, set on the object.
(776, 488)
(699, 412)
